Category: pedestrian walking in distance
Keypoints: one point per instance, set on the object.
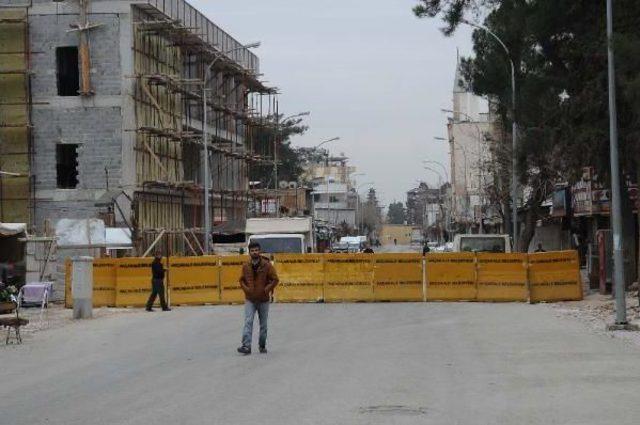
(258, 280)
(157, 284)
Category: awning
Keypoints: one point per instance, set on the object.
(11, 229)
(118, 238)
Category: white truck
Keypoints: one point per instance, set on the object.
(292, 235)
(482, 243)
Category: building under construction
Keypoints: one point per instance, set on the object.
(101, 116)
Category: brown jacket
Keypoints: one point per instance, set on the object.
(254, 282)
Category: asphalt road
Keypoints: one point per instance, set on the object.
(436, 363)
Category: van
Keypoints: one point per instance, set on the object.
(482, 243)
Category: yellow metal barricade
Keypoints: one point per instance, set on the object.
(398, 277)
(133, 281)
(230, 270)
(451, 276)
(348, 277)
(301, 277)
(501, 277)
(555, 276)
(194, 280)
(104, 282)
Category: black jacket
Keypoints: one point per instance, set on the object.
(157, 270)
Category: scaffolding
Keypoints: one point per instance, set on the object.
(16, 185)
(173, 46)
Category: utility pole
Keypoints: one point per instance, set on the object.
(616, 201)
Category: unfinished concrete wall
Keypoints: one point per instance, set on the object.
(50, 31)
(94, 122)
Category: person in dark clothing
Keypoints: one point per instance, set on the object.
(540, 248)
(157, 284)
(425, 248)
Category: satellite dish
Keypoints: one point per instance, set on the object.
(293, 185)
(282, 184)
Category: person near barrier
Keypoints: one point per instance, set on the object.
(425, 247)
(258, 280)
(157, 284)
(540, 248)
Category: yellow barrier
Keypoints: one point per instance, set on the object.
(451, 276)
(194, 280)
(133, 281)
(555, 276)
(551, 276)
(230, 270)
(301, 277)
(501, 277)
(104, 282)
(398, 277)
(348, 277)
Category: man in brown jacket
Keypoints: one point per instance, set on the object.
(258, 281)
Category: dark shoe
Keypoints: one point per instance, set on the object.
(166, 309)
(263, 350)
(149, 309)
(244, 350)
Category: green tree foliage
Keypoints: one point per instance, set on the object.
(289, 158)
(396, 213)
(559, 48)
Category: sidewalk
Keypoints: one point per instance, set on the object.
(597, 311)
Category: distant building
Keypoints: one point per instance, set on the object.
(428, 210)
(395, 234)
(470, 133)
(334, 199)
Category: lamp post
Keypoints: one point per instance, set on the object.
(205, 140)
(514, 130)
(454, 146)
(616, 204)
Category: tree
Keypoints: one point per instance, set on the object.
(371, 213)
(559, 48)
(396, 213)
(289, 158)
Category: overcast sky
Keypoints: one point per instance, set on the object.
(369, 72)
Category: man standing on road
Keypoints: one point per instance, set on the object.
(157, 284)
(258, 280)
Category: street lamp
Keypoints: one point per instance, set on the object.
(616, 204)
(479, 166)
(334, 139)
(430, 161)
(457, 146)
(514, 130)
(205, 139)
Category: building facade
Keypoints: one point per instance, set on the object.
(334, 197)
(111, 118)
(470, 135)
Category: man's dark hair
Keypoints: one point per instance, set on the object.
(254, 245)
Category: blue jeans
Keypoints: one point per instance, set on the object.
(250, 309)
